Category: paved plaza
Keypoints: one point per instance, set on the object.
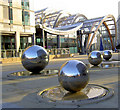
(22, 92)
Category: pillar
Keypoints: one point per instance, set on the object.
(81, 43)
(98, 42)
(79, 37)
(58, 41)
(33, 39)
(46, 41)
(17, 40)
(43, 35)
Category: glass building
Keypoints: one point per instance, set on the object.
(17, 24)
(56, 29)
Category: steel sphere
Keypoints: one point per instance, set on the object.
(95, 58)
(35, 58)
(73, 75)
(107, 54)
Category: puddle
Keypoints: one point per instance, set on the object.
(23, 74)
(106, 65)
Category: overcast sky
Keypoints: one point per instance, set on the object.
(90, 8)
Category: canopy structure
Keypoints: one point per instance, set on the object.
(60, 23)
(93, 25)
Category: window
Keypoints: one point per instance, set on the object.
(25, 4)
(25, 13)
(10, 11)
(10, 3)
(22, 3)
(25, 17)
(38, 40)
(8, 42)
(25, 42)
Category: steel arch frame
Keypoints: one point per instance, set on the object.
(103, 22)
(57, 19)
(90, 34)
(77, 16)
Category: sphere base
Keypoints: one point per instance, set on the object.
(91, 94)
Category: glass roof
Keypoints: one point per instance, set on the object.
(58, 22)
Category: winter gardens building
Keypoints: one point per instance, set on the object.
(63, 30)
(54, 29)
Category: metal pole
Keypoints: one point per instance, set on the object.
(33, 39)
(17, 41)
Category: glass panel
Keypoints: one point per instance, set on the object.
(24, 42)
(62, 39)
(11, 21)
(25, 4)
(27, 17)
(8, 42)
(22, 3)
(38, 40)
(10, 2)
(29, 40)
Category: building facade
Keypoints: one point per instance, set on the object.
(17, 24)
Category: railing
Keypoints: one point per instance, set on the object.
(13, 53)
(58, 51)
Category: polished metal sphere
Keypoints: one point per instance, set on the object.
(107, 54)
(73, 75)
(95, 58)
(35, 58)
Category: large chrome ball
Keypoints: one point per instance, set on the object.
(35, 58)
(73, 75)
(107, 54)
(95, 58)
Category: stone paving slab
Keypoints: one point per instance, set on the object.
(22, 93)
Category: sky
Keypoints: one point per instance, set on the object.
(90, 8)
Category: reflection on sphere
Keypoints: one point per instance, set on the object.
(73, 76)
(107, 54)
(95, 58)
(35, 58)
